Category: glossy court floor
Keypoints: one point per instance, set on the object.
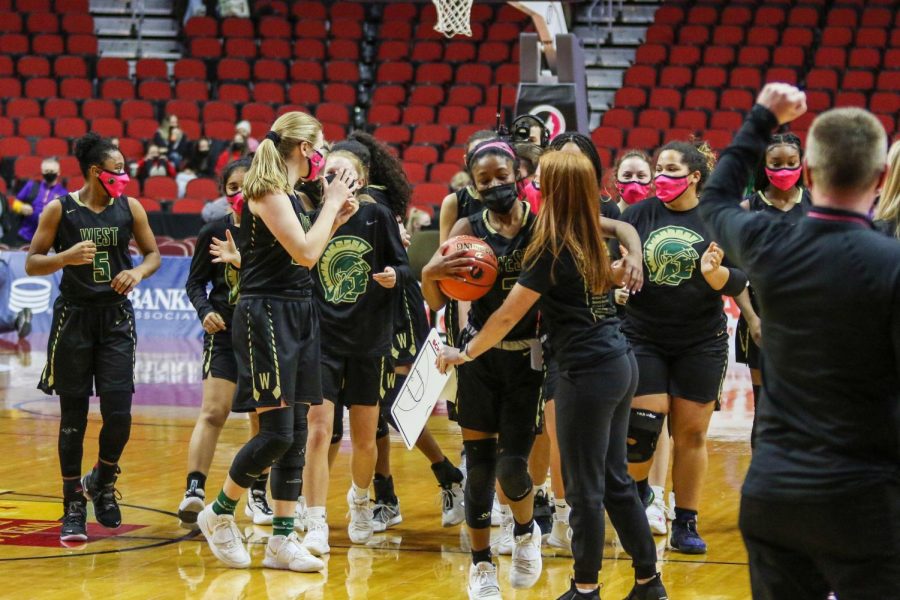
(151, 557)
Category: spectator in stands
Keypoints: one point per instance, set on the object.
(235, 151)
(200, 163)
(35, 195)
(243, 128)
(172, 141)
(154, 164)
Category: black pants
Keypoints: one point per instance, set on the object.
(592, 409)
(803, 550)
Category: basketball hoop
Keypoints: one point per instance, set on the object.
(453, 17)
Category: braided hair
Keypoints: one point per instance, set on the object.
(587, 147)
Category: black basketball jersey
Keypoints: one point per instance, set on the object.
(224, 277)
(468, 202)
(111, 231)
(759, 203)
(266, 267)
(510, 253)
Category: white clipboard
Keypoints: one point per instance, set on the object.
(420, 392)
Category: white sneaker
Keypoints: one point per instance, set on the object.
(503, 544)
(385, 516)
(287, 553)
(190, 507)
(361, 518)
(496, 513)
(316, 539)
(300, 515)
(561, 534)
(526, 559)
(656, 512)
(224, 538)
(670, 510)
(453, 511)
(258, 508)
(483, 582)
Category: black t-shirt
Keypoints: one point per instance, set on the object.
(609, 209)
(583, 326)
(223, 277)
(510, 253)
(676, 306)
(266, 267)
(111, 231)
(357, 314)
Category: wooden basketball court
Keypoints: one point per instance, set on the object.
(150, 556)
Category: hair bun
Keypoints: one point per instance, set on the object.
(85, 144)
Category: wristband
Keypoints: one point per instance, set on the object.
(465, 354)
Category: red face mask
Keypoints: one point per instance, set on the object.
(113, 183)
(236, 201)
(670, 188)
(784, 179)
(316, 162)
(633, 192)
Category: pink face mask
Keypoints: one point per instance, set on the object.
(532, 194)
(236, 201)
(633, 192)
(113, 183)
(784, 179)
(316, 162)
(670, 188)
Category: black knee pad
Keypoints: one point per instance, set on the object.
(644, 427)
(115, 408)
(72, 425)
(382, 429)
(276, 434)
(512, 473)
(337, 428)
(286, 477)
(481, 462)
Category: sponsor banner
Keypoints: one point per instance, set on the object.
(161, 306)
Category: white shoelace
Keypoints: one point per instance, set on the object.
(487, 582)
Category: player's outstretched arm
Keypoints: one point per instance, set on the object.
(39, 261)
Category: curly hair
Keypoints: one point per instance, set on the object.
(91, 149)
(385, 170)
(697, 155)
(760, 179)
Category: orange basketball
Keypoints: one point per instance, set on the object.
(481, 275)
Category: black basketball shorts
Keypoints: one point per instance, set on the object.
(499, 392)
(695, 373)
(90, 347)
(353, 380)
(276, 342)
(218, 356)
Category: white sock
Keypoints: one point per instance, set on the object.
(562, 510)
(316, 512)
(542, 487)
(360, 493)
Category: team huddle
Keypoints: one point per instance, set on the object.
(600, 347)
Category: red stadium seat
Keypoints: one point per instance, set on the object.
(818, 100)
(684, 55)
(69, 127)
(735, 15)
(389, 94)
(888, 81)
(719, 139)
(240, 48)
(201, 27)
(415, 172)
(155, 90)
(277, 48)
(269, 91)
(347, 10)
(655, 119)
(160, 188)
(71, 6)
(736, 100)
(206, 48)
(304, 94)
(437, 73)
(675, 77)
(831, 57)
(107, 127)
(11, 86)
(34, 127)
(117, 89)
(340, 93)
(78, 24)
(6, 66)
(393, 134)
(418, 115)
(842, 17)
(703, 15)
(14, 146)
(693, 34)
(55, 108)
(650, 54)
(728, 35)
(885, 102)
(867, 58)
(47, 44)
(421, 154)
(384, 114)
(151, 68)
(202, 188)
(721, 56)
(81, 45)
(694, 120)
(234, 27)
(333, 113)
(68, 166)
(189, 68)
(234, 92)
(781, 74)
(858, 80)
(669, 15)
(307, 70)
(726, 119)
(7, 129)
(493, 52)
(642, 76)
(660, 34)
(39, 22)
(112, 68)
(137, 109)
(872, 37)
(607, 137)
(396, 30)
(429, 193)
(309, 49)
(256, 111)
(393, 50)
(750, 56)
(746, 77)
(797, 36)
(400, 12)
(308, 28)
(710, 77)
(426, 95)
(94, 109)
(26, 166)
(394, 72)
(33, 66)
(443, 172)
(142, 129)
(309, 10)
(822, 79)
(762, 36)
(69, 66)
(343, 50)
(643, 138)
(700, 99)
(131, 149)
(192, 90)
(804, 16)
(788, 56)
(346, 29)
(41, 87)
(10, 22)
(438, 135)
(342, 70)
(18, 108)
(150, 205)
(274, 27)
(630, 98)
(837, 36)
(618, 117)
(665, 98)
(857, 99)
(219, 130)
(13, 44)
(460, 115)
(183, 109)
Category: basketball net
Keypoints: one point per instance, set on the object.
(453, 17)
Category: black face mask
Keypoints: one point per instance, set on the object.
(501, 198)
(238, 146)
(330, 177)
(203, 153)
(50, 177)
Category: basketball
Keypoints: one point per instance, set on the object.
(481, 275)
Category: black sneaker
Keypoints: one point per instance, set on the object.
(74, 520)
(574, 594)
(543, 512)
(105, 499)
(652, 590)
(23, 323)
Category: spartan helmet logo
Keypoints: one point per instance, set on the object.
(670, 255)
(343, 271)
(232, 279)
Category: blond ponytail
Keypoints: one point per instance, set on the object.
(268, 172)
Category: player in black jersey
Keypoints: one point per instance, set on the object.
(92, 340)
(354, 292)
(215, 311)
(276, 335)
(387, 184)
(677, 327)
(779, 194)
(566, 268)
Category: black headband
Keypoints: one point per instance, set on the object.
(271, 135)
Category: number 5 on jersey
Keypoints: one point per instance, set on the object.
(102, 270)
